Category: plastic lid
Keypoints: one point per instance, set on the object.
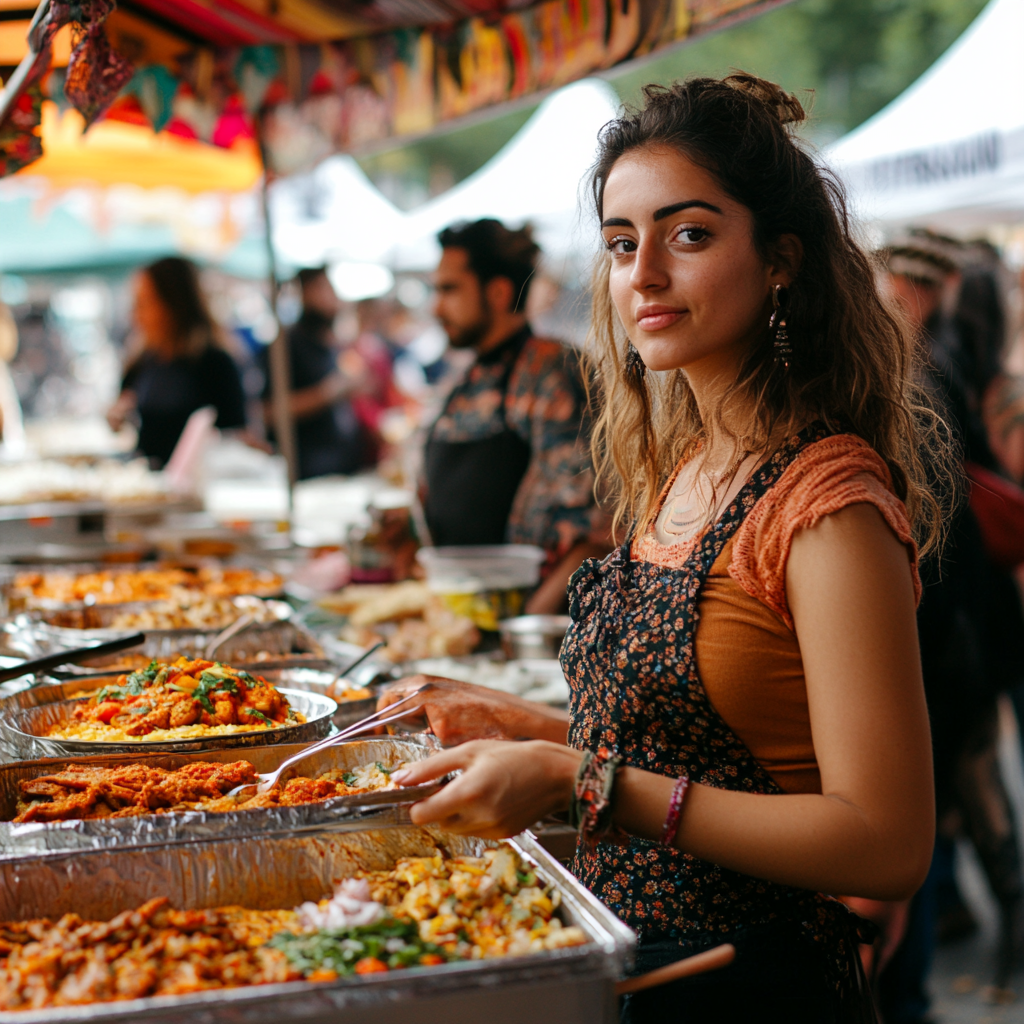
(466, 570)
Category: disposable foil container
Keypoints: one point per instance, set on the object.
(276, 637)
(342, 814)
(27, 716)
(570, 986)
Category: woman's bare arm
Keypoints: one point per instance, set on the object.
(458, 712)
(871, 830)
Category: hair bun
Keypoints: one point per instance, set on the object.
(786, 107)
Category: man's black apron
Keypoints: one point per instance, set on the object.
(471, 485)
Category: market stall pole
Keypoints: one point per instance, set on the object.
(23, 73)
(279, 362)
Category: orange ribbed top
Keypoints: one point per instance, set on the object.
(747, 653)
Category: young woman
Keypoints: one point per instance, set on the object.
(747, 727)
(181, 368)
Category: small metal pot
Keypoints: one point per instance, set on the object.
(534, 636)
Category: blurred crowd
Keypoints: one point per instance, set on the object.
(966, 309)
(348, 365)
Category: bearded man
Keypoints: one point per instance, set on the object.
(507, 460)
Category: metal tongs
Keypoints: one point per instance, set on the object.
(269, 779)
(71, 657)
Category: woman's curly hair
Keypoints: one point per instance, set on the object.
(855, 362)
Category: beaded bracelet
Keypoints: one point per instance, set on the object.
(591, 807)
(675, 810)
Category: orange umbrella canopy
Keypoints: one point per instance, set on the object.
(117, 153)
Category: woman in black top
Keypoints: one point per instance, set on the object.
(180, 368)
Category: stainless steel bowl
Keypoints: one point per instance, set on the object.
(534, 636)
(26, 717)
(317, 680)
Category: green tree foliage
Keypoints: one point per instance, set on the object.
(856, 55)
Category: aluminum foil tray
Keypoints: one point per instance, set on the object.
(27, 716)
(341, 814)
(277, 637)
(570, 986)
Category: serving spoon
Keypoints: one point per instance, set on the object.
(269, 779)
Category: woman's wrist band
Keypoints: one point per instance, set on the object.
(675, 810)
(590, 809)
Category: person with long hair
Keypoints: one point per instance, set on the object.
(180, 367)
(747, 736)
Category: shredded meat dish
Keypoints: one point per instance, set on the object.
(192, 697)
(425, 911)
(152, 951)
(79, 792)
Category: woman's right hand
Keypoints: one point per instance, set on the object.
(457, 712)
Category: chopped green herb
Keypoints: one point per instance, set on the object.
(258, 714)
(139, 709)
(526, 877)
(349, 778)
(210, 684)
(382, 769)
(110, 693)
(395, 943)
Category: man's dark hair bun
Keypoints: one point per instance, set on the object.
(785, 106)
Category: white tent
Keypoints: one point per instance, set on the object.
(950, 149)
(535, 177)
(332, 214)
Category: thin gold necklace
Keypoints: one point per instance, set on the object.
(680, 520)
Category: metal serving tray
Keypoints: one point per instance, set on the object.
(570, 986)
(278, 638)
(43, 632)
(27, 716)
(343, 814)
(319, 681)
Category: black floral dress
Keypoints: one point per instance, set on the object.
(636, 690)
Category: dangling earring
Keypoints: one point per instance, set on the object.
(635, 366)
(777, 326)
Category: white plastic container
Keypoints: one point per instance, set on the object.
(486, 583)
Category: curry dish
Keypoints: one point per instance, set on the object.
(423, 912)
(182, 700)
(127, 791)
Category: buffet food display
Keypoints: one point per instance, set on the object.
(423, 912)
(414, 622)
(108, 481)
(184, 611)
(124, 794)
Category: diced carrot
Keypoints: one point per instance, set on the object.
(324, 975)
(370, 965)
(431, 959)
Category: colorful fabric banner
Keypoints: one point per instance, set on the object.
(315, 99)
